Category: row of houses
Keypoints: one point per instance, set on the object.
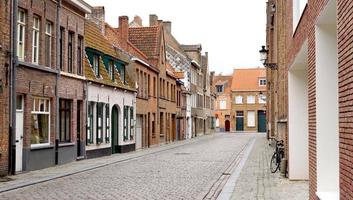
(310, 91)
(241, 100)
(74, 87)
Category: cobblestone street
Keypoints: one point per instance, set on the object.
(197, 169)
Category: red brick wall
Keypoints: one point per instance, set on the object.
(4, 81)
(345, 59)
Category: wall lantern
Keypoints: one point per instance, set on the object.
(264, 58)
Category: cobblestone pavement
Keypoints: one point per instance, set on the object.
(256, 181)
(188, 171)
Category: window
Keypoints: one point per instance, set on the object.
(99, 132)
(107, 122)
(96, 65)
(251, 118)
(69, 52)
(126, 122)
(90, 123)
(65, 120)
(298, 8)
(131, 123)
(40, 124)
(48, 43)
(121, 68)
(154, 86)
(240, 113)
(61, 52)
(111, 69)
(219, 88)
(153, 125)
(239, 100)
(250, 99)
(262, 98)
(262, 82)
(21, 24)
(222, 104)
(149, 85)
(35, 44)
(79, 55)
(217, 122)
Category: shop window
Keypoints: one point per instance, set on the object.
(65, 120)
(132, 123)
(40, 123)
(90, 123)
(126, 123)
(99, 138)
(107, 120)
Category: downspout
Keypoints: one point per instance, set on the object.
(58, 54)
(14, 63)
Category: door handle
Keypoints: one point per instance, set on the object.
(17, 141)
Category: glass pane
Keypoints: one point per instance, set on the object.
(40, 129)
(19, 102)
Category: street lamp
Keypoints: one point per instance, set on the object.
(264, 58)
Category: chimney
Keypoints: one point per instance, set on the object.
(168, 26)
(138, 20)
(97, 16)
(124, 30)
(153, 20)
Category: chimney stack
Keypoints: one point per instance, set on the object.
(138, 20)
(153, 20)
(124, 30)
(168, 26)
(97, 16)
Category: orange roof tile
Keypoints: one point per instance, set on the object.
(145, 39)
(248, 79)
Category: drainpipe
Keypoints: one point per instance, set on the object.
(57, 120)
(14, 63)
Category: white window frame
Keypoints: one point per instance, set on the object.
(21, 27)
(48, 32)
(35, 39)
(250, 99)
(251, 119)
(34, 111)
(262, 82)
(238, 99)
(262, 99)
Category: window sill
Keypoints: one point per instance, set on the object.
(66, 144)
(40, 147)
(328, 195)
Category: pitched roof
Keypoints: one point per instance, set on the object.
(248, 79)
(95, 40)
(145, 39)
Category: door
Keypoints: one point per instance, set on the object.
(227, 125)
(261, 115)
(239, 121)
(19, 132)
(139, 132)
(115, 129)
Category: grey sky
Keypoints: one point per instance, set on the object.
(232, 31)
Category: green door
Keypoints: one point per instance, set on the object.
(261, 118)
(240, 123)
(115, 129)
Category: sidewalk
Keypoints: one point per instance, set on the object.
(257, 182)
(43, 175)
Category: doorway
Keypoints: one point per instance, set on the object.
(261, 121)
(19, 132)
(239, 121)
(227, 125)
(115, 129)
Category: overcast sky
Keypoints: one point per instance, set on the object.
(232, 31)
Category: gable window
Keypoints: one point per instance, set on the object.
(79, 55)
(48, 43)
(21, 24)
(69, 52)
(40, 124)
(219, 88)
(239, 100)
(262, 82)
(65, 120)
(250, 99)
(35, 44)
(96, 65)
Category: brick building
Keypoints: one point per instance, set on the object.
(5, 62)
(50, 83)
(249, 99)
(223, 103)
(319, 94)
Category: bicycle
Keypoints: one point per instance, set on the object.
(277, 157)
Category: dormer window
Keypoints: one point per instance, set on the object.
(111, 69)
(262, 82)
(219, 88)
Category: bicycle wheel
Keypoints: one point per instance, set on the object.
(274, 164)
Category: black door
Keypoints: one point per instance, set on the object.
(261, 118)
(227, 125)
(115, 129)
